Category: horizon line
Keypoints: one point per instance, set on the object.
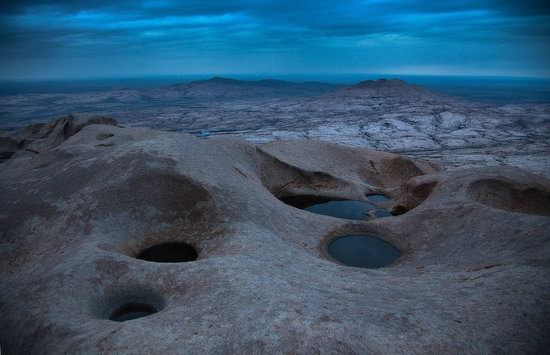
(263, 76)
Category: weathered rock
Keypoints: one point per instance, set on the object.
(474, 275)
(40, 137)
(8, 146)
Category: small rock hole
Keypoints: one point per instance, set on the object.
(129, 311)
(174, 252)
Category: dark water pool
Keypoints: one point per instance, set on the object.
(131, 311)
(377, 198)
(346, 209)
(172, 252)
(381, 213)
(342, 209)
(364, 251)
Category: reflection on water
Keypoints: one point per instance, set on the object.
(345, 209)
(363, 251)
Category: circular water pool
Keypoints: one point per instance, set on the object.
(364, 251)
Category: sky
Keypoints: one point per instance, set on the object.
(54, 39)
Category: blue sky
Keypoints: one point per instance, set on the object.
(87, 39)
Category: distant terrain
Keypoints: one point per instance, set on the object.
(389, 115)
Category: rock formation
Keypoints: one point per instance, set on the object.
(473, 277)
(39, 137)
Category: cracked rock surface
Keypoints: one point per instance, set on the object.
(474, 275)
(388, 115)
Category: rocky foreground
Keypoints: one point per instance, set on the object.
(81, 198)
(388, 115)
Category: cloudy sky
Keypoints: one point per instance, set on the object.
(101, 38)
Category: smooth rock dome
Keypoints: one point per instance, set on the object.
(472, 277)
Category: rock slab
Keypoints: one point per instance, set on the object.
(474, 275)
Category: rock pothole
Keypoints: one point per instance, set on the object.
(511, 196)
(170, 252)
(413, 193)
(132, 310)
(131, 302)
(340, 208)
(363, 250)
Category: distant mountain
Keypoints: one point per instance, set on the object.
(264, 83)
(382, 83)
(369, 90)
(219, 87)
(389, 89)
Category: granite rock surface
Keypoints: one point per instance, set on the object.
(474, 275)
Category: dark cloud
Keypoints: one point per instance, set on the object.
(273, 7)
(369, 30)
